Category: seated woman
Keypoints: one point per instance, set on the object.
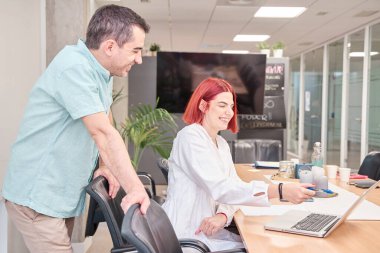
(203, 184)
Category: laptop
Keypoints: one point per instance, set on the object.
(313, 224)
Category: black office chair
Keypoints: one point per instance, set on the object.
(111, 211)
(95, 212)
(251, 150)
(163, 164)
(371, 166)
(153, 232)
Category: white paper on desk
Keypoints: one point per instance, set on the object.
(341, 203)
(337, 205)
(267, 210)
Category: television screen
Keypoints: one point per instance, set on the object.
(178, 74)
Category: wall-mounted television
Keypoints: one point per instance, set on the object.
(178, 74)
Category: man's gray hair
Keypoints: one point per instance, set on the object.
(113, 22)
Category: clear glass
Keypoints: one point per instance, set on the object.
(334, 108)
(316, 156)
(374, 88)
(313, 100)
(356, 43)
(293, 106)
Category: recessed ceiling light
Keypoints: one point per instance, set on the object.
(235, 51)
(361, 54)
(248, 37)
(240, 2)
(279, 12)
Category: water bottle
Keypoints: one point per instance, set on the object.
(316, 156)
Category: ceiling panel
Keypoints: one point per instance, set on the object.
(210, 25)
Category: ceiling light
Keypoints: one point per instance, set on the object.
(248, 38)
(361, 54)
(279, 12)
(235, 51)
(240, 2)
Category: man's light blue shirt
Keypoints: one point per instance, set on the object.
(54, 155)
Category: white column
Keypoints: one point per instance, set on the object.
(325, 89)
(365, 99)
(345, 93)
(301, 114)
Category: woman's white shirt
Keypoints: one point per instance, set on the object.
(203, 182)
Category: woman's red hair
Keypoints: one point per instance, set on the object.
(207, 90)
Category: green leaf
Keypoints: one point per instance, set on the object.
(148, 127)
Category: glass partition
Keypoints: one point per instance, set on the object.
(313, 99)
(374, 91)
(334, 109)
(356, 50)
(293, 106)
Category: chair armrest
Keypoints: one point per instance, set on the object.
(150, 179)
(242, 250)
(124, 249)
(195, 244)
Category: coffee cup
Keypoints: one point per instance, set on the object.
(344, 174)
(331, 171)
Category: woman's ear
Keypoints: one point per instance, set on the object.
(202, 106)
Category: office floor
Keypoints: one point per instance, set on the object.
(102, 242)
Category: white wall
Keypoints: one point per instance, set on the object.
(20, 66)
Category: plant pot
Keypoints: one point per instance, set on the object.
(153, 53)
(278, 53)
(265, 51)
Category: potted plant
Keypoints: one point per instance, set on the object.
(278, 49)
(148, 127)
(154, 48)
(264, 48)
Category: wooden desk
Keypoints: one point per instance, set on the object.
(349, 237)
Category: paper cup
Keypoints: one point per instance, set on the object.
(331, 171)
(344, 174)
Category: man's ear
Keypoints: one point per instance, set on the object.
(202, 106)
(108, 47)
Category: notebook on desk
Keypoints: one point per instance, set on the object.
(267, 165)
(313, 224)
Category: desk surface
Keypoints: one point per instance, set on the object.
(349, 237)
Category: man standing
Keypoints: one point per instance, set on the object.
(66, 127)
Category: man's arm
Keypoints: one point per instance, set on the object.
(114, 185)
(115, 156)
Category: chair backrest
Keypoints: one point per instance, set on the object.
(111, 209)
(251, 150)
(163, 164)
(150, 233)
(371, 165)
(268, 150)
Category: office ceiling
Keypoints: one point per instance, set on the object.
(210, 25)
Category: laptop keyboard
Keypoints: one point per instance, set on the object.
(314, 222)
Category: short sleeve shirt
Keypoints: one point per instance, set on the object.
(54, 155)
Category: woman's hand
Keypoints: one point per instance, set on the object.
(297, 193)
(211, 225)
